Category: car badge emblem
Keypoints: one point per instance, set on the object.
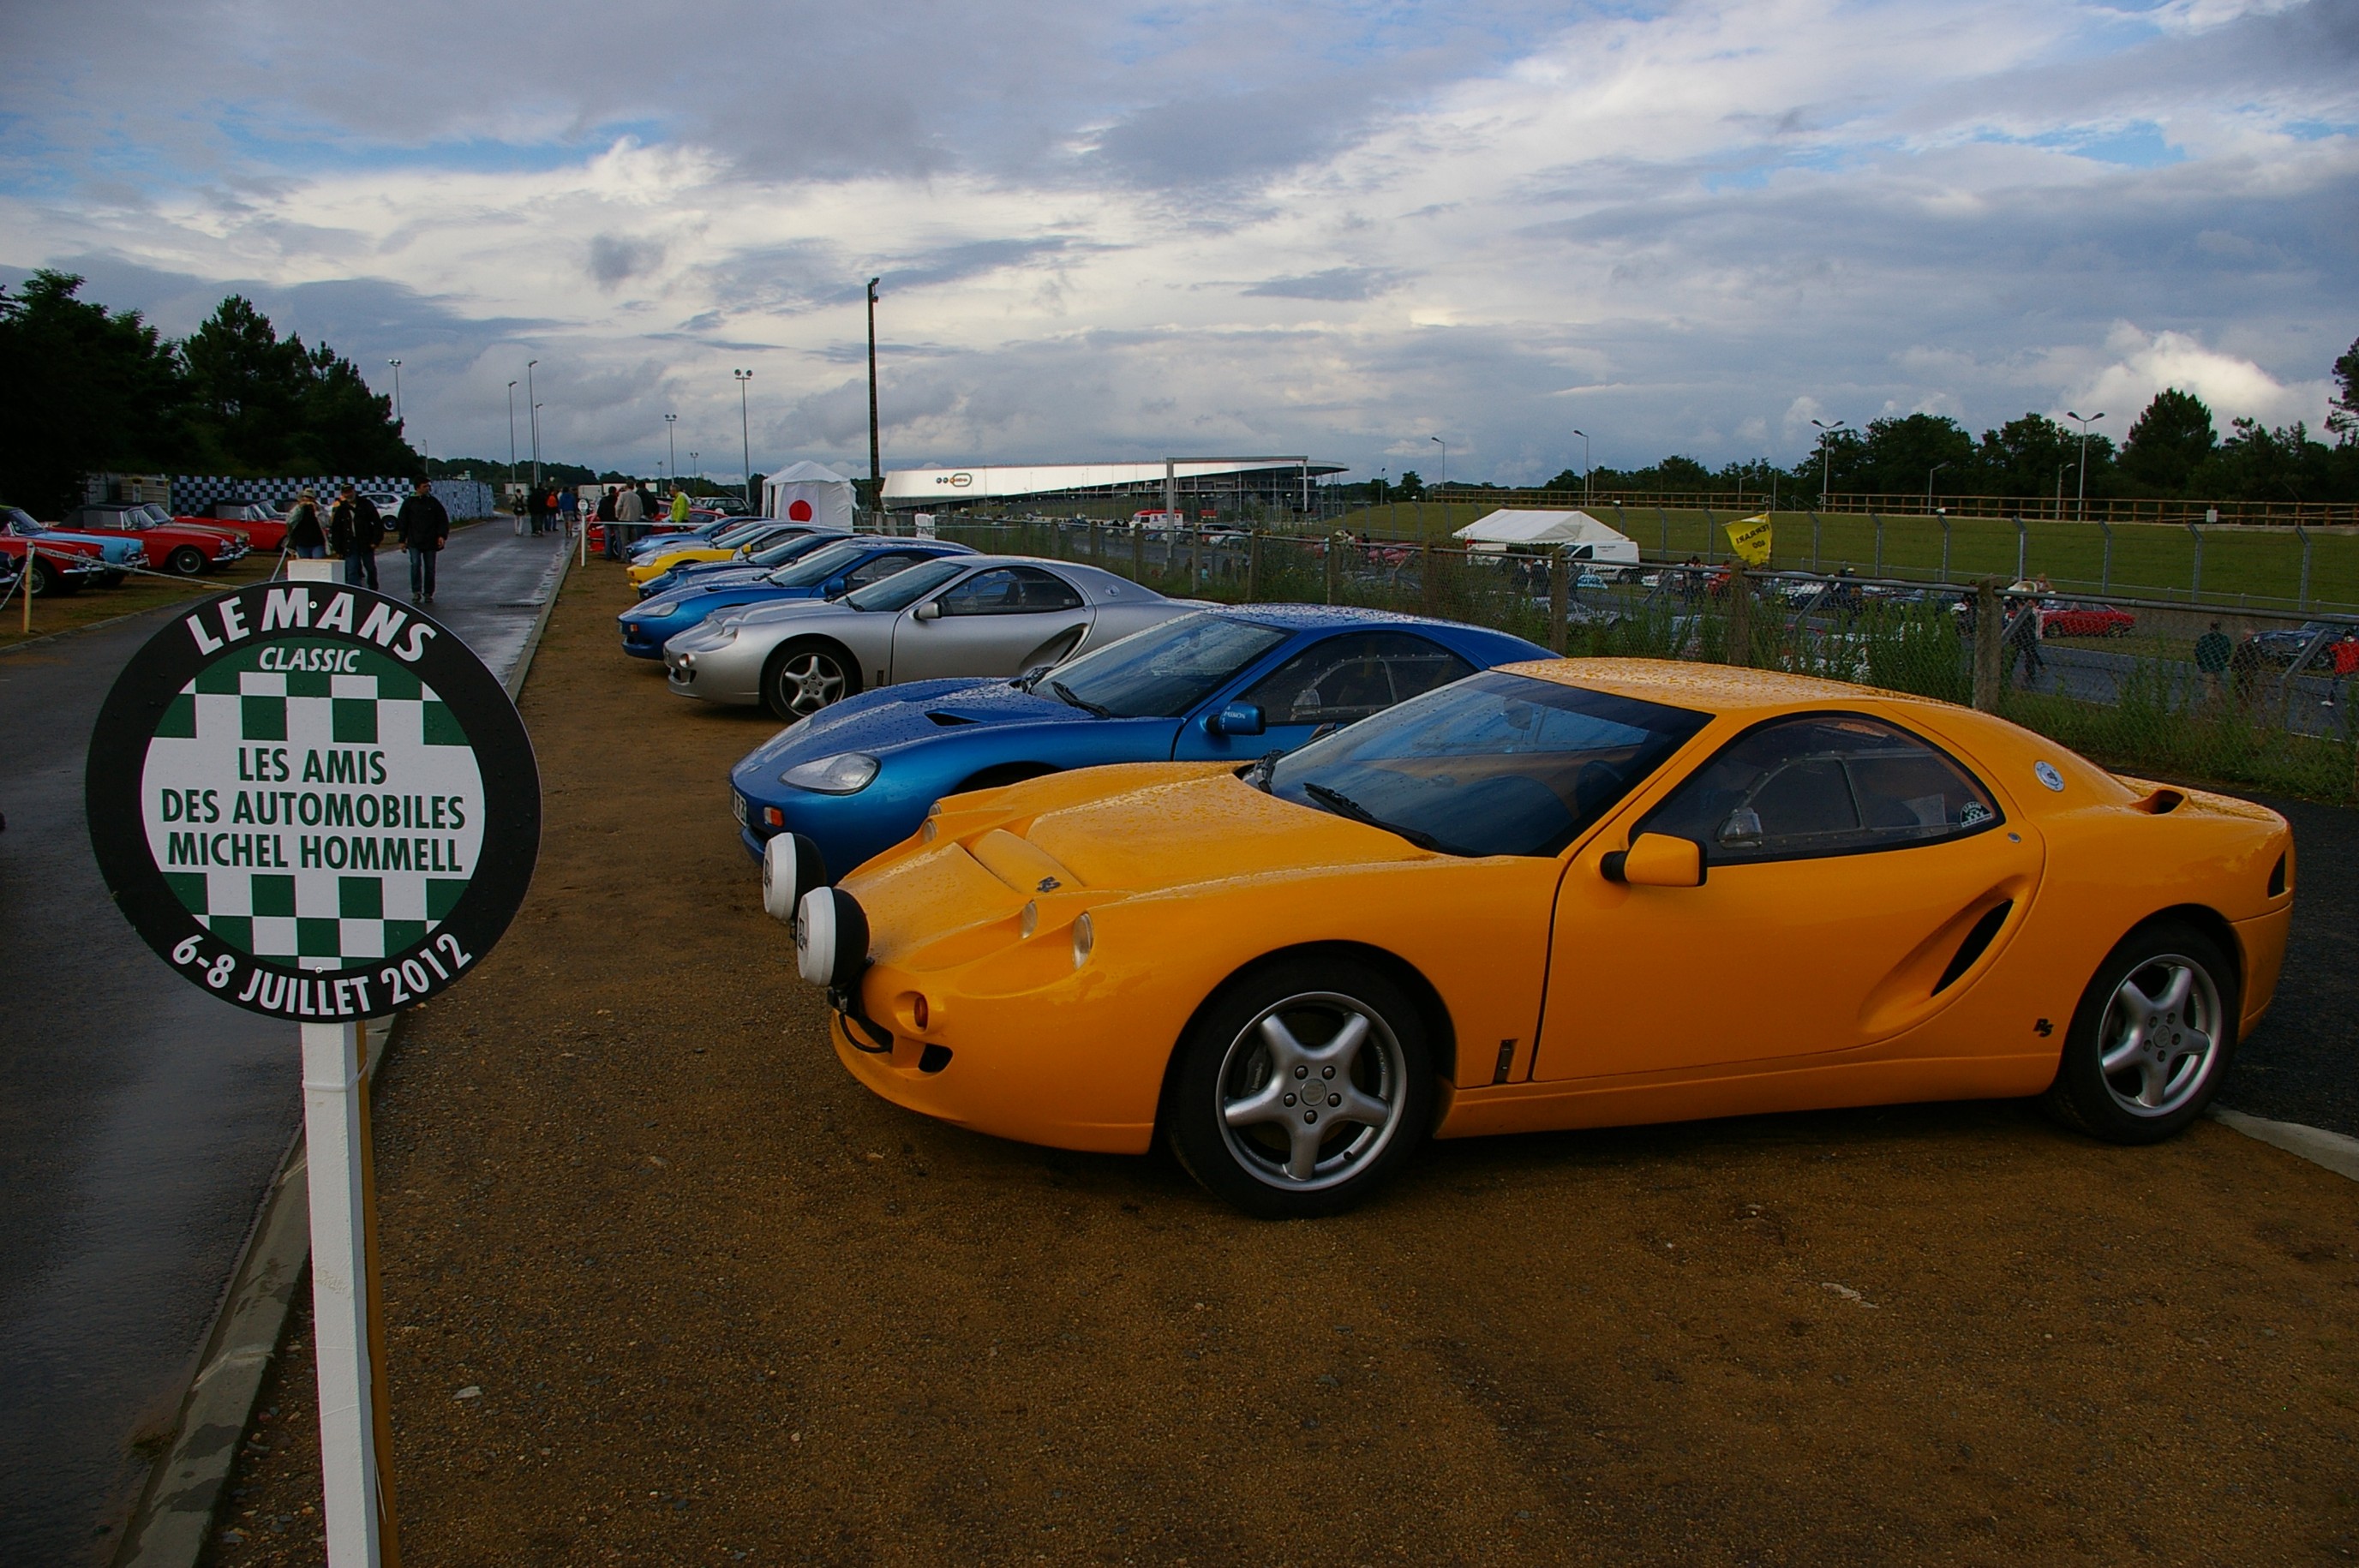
(2045, 773)
(1048, 885)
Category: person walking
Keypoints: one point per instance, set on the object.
(569, 509)
(630, 509)
(424, 527)
(610, 537)
(680, 508)
(517, 506)
(2022, 635)
(306, 539)
(2211, 652)
(354, 530)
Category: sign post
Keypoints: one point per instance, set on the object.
(319, 805)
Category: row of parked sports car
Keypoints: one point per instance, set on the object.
(1295, 887)
(101, 542)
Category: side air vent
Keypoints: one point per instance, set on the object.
(1977, 940)
(2160, 802)
(947, 720)
(2276, 877)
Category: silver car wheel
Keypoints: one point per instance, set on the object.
(808, 682)
(1311, 1090)
(2160, 1036)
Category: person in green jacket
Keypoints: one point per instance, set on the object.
(680, 508)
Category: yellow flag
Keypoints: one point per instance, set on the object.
(1749, 538)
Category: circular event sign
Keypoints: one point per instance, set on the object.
(313, 800)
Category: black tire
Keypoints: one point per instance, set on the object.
(50, 583)
(805, 675)
(1229, 1061)
(186, 561)
(2159, 1081)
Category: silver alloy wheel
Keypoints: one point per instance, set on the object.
(810, 681)
(1302, 1115)
(2160, 1036)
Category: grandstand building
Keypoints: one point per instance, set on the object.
(1220, 483)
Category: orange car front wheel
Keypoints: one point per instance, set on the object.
(1304, 1086)
(2150, 1040)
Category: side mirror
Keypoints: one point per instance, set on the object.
(1743, 828)
(931, 610)
(1655, 860)
(835, 590)
(1238, 719)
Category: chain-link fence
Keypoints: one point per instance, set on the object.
(2185, 692)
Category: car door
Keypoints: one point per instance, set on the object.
(997, 621)
(1337, 680)
(1857, 876)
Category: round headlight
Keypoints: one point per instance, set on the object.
(1085, 938)
(845, 773)
(791, 866)
(830, 938)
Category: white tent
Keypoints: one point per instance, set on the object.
(807, 493)
(1578, 533)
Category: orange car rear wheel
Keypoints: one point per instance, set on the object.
(1302, 1088)
(2150, 1040)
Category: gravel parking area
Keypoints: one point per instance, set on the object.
(664, 1285)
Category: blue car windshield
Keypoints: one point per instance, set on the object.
(738, 533)
(904, 589)
(817, 566)
(791, 549)
(1495, 764)
(1165, 671)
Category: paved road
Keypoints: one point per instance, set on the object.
(140, 1120)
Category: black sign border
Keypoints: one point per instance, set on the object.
(117, 764)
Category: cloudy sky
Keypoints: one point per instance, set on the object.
(1125, 230)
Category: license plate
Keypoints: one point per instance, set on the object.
(738, 801)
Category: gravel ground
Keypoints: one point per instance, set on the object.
(716, 1303)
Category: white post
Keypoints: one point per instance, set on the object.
(335, 1124)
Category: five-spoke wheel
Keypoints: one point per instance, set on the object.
(2151, 1037)
(805, 677)
(1304, 1085)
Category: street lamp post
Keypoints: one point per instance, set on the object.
(532, 409)
(671, 446)
(1584, 466)
(746, 431)
(2081, 498)
(876, 449)
(511, 432)
(1929, 483)
(1826, 453)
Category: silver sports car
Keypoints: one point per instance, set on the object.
(961, 615)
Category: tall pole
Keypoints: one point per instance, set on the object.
(746, 431)
(2081, 499)
(671, 446)
(1929, 483)
(511, 432)
(533, 410)
(1826, 453)
(397, 389)
(1584, 466)
(876, 447)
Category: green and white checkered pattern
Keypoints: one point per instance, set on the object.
(358, 898)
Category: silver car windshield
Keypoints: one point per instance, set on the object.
(1495, 764)
(818, 565)
(904, 589)
(1165, 671)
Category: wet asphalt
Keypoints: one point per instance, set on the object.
(140, 1119)
(2299, 1066)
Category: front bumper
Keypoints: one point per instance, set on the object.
(724, 674)
(968, 1089)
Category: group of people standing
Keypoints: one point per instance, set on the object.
(547, 508)
(353, 530)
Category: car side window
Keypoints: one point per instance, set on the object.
(878, 567)
(1010, 591)
(1824, 784)
(1343, 679)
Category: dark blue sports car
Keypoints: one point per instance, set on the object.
(792, 542)
(1228, 683)
(827, 566)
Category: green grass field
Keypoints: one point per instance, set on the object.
(2254, 568)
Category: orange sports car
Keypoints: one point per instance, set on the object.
(1571, 893)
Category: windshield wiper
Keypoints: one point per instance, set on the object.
(1342, 805)
(1095, 710)
(1263, 766)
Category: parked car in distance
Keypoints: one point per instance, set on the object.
(60, 565)
(184, 550)
(1480, 912)
(764, 549)
(828, 567)
(963, 615)
(731, 544)
(264, 529)
(121, 552)
(2082, 618)
(1234, 684)
(2283, 645)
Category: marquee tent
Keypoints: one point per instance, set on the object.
(1582, 535)
(807, 493)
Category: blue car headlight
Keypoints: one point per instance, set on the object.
(845, 773)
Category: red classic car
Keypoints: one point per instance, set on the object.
(2066, 618)
(59, 566)
(174, 546)
(264, 529)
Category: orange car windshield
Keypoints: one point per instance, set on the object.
(1496, 764)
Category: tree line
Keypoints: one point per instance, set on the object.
(85, 389)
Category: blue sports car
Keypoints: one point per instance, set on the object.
(1238, 684)
(788, 543)
(833, 567)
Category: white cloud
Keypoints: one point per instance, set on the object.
(2233, 386)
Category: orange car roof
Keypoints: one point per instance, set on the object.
(1711, 687)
